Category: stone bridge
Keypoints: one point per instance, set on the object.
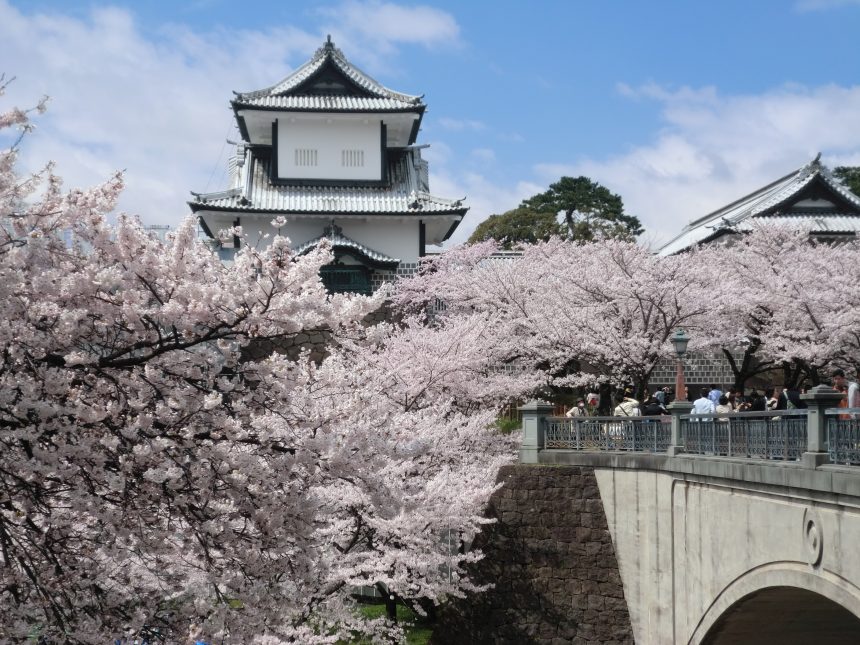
(758, 542)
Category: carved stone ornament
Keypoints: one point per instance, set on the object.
(813, 537)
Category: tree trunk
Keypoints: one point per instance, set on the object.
(391, 607)
(605, 407)
(748, 367)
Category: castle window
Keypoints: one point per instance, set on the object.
(306, 157)
(352, 158)
(346, 279)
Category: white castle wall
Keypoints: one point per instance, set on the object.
(329, 147)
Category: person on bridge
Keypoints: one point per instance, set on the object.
(703, 405)
(851, 387)
(653, 408)
(715, 394)
(578, 410)
(627, 407)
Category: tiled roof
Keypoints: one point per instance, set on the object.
(766, 203)
(286, 95)
(402, 194)
(820, 223)
(338, 239)
(325, 103)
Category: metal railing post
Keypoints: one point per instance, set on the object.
(534, 412)
(818, 399)
(729, 430)
(676, 409)
(766, 454)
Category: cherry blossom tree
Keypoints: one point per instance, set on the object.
(576, 313)
(790, 300)
(150, 474)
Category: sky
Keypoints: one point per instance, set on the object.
(679, 107)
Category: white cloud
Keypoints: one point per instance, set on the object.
(372, 31)
(512, 137)
(458, 125)
(485, 155)
(438, 153)
(392, 23)
(484, 197)
(652, 90)
(714, 149)
(158, 105)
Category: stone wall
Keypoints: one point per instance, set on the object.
(313, 341)
(551, 558)
(699, 369)
(292, 346)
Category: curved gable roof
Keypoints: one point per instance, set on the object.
(294, 90)
(773, 202)
(340, 241)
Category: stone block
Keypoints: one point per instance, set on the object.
(592, 548)
(617, 603)
(551, 558)
(594, 505)
(595, 602)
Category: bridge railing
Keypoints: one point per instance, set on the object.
(819, 435)
(843, 435)
(639, 434)
(756, 435)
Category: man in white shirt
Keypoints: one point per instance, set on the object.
(703, 405)
(578, 410)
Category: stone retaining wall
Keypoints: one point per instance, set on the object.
(313, 341)
(551, 558)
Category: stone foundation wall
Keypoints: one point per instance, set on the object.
(314, 341)
(551, 558)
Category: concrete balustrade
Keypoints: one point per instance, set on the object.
(758, 435)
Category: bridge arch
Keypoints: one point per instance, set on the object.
(785, 603)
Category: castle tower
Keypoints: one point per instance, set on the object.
(333, 152)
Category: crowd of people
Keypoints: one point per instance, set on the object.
(714, 400)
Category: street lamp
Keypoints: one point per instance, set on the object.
(680, 406)
(679, 341)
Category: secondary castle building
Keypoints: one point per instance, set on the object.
(810, 197)
(333, 152)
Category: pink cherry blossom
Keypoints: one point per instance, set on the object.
(152, 473)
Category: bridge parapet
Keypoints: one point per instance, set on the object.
(716, 518)
(813, 437)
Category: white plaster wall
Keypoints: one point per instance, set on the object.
(687, 549)
(329, 136)
(396, 237)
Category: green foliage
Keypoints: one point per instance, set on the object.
(418, 630)
(518, 226)
(507, 426)
(590, 211)
(850, 176)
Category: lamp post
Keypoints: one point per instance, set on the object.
(680, 405)
(679, 341)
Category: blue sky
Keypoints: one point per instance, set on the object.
(680, 107)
